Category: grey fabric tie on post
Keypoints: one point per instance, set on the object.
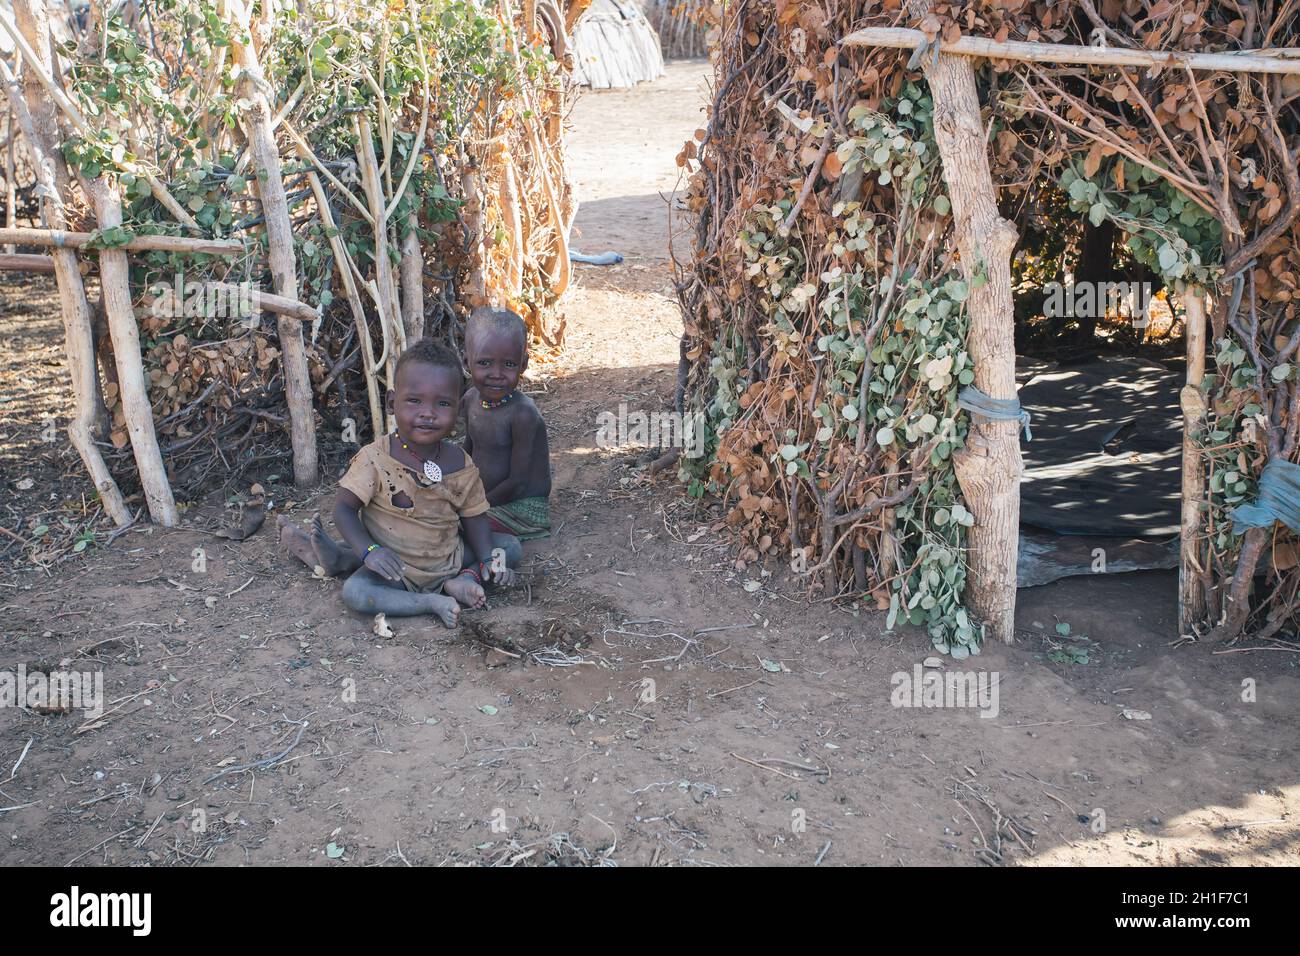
(1279, 500)
(994, 409)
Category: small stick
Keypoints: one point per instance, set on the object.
(268, 762)
(984, 844)
(822, 855)
(798, 766)
(808, 183)
(729, 690)
(21, 757)
(1073, 812)
(1253, 823)
(98, 845)
(22, 541)
(241, 587)
(780, 773)
(144, 839)
(1238, 650)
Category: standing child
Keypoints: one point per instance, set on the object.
(506, 433)
(405, 503)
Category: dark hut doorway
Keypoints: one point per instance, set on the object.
(1100, 364)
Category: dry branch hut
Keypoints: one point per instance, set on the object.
(888, 194)
(252, 206)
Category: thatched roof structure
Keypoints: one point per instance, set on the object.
(614, 46)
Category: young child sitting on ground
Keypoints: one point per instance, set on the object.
(505, 431)
(405, 503)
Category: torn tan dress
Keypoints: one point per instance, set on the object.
(426, 535)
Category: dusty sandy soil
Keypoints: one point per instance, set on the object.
(415, 749)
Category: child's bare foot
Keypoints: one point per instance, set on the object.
(465, 590)
(328, 554)
(445, 608)
(296, 541)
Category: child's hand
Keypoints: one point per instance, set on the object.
(505, 577)
(384, 563)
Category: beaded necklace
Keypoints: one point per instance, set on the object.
(504, 400)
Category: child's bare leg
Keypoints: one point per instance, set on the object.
(335, 558)
(296, 541)
(366, 592)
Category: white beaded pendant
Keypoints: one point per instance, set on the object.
(432, 472)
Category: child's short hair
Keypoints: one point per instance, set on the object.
(486, 319)
(431, 353)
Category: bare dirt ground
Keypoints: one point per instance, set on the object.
(413, 749)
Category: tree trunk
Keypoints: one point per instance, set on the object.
(412, 269)
(39, 120)
(1193, 559)
(989, 467)
(256, 120)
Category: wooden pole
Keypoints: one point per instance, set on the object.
(511, 220)
(412, 273)
(62, 239)
(1192, 556)
(342, 262)
(1277, 60)
(11, 193)
(384, 282)
(21, 262)
(989, 467)
(473, 220)
(115, 283)
(37, 115)
(256, 122)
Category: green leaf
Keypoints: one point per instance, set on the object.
(1168, 257)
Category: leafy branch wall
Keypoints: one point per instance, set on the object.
(826, 314)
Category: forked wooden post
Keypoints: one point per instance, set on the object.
(1191, 568)
(989, 468)
(124, 330)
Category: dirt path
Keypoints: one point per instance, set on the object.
(415, 748)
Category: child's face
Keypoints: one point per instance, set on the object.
(495, 364)
(425, 402)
